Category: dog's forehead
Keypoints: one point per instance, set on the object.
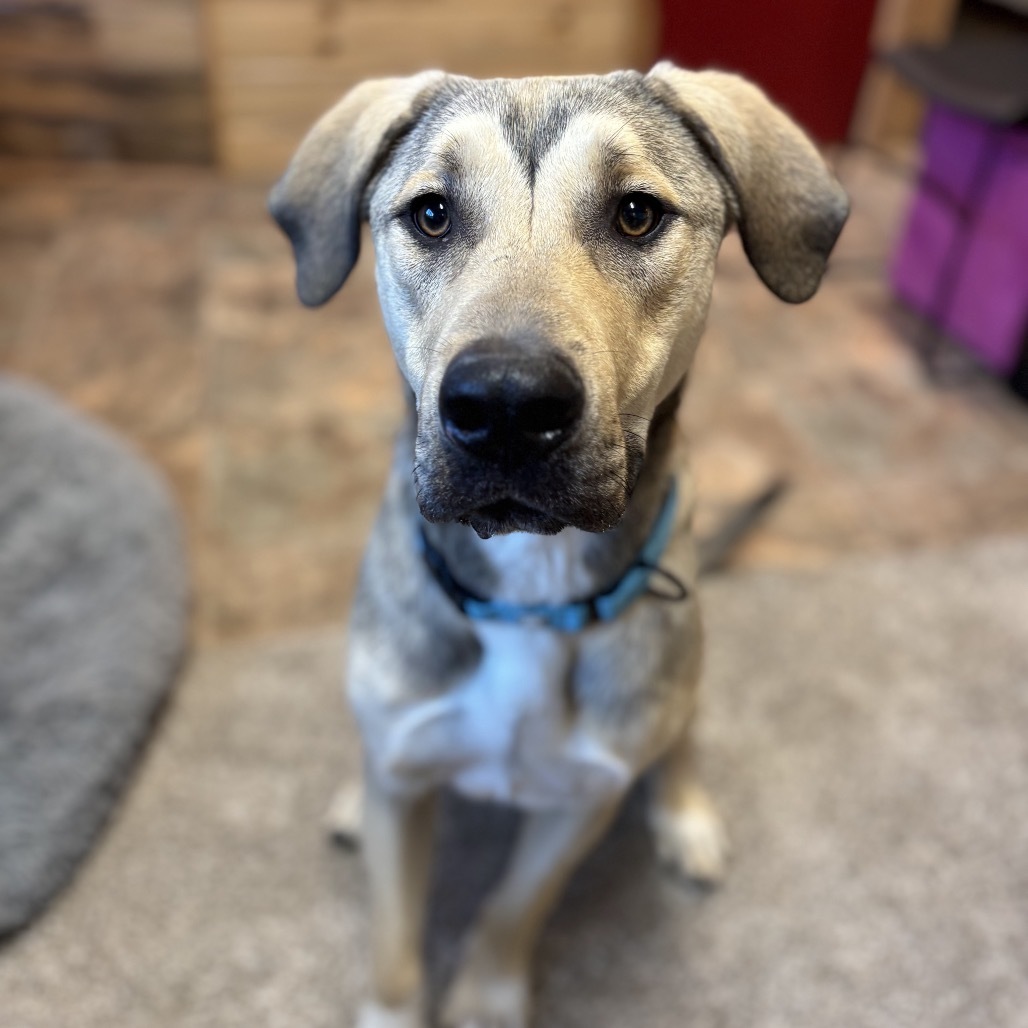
(532, 116)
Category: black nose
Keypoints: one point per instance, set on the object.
(510, 402)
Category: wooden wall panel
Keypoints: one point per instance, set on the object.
(112, 79)
(275, 66)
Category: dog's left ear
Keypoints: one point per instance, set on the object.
(318, 201)
(788, 206)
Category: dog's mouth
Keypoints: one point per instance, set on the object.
(586, 487)
(510, 515)
(543, 503)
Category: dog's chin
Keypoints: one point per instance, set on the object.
(505, 516)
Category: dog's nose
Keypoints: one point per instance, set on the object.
(510, 402)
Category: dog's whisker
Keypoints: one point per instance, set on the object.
(602, 353)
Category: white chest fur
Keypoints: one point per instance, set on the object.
(540, 568)
(508, 732)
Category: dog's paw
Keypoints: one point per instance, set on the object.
(692, 840)
(483, 996)
(344, 817)
(375, 1015)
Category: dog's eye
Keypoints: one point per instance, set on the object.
(638, 215)
(430, 215)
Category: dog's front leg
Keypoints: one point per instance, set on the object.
(397, 844)
(688, 831)
(492, 988)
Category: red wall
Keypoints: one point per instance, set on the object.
(809, 55)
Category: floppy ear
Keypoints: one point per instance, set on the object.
(318, 201)
(788, 206)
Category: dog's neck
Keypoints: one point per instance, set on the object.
(524, 568)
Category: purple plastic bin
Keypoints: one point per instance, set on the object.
(963, 259)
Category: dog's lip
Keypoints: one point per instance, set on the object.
(506, 508)
(511, 515)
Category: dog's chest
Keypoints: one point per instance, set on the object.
(509, 731)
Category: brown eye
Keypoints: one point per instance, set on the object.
(430, 216)
(638, 215)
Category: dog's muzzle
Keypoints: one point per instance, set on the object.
(515, 447)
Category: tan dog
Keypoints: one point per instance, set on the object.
(545, 256)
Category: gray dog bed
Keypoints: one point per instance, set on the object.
(92, 619)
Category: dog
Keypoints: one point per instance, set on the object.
(525, 627)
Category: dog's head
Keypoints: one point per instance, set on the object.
(545, 255)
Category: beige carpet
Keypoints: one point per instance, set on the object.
(866, 731)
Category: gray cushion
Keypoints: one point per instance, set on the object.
(92, 618)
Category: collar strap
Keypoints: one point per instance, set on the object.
(578, 614)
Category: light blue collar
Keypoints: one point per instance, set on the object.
(578, 614)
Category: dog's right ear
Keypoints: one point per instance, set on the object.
(318, 201)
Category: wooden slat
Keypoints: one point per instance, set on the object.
(154, 37)
(310, 28)
(67, 98)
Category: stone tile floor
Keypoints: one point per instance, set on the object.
(161, 300)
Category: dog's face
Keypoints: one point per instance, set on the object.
(545, 255)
